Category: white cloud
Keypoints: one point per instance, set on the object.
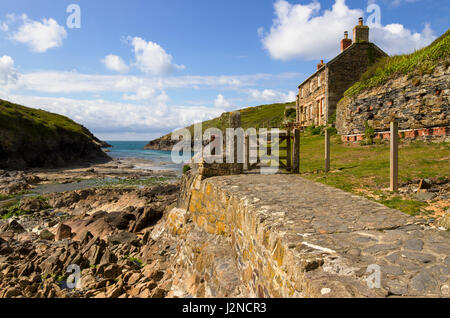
(143, 93)
(8, 74)
(115, 63)
(74, 82)
(298, 31)
(302, 31)
(152, 58)
(40, 36)
(273, 96)
(221, 102)
(396, 39)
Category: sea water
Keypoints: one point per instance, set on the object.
(157, 159)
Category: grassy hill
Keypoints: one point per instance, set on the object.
(264, 116)
(418, 63)
(36, 138)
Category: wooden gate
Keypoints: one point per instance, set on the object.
(284, 161)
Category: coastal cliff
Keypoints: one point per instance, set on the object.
(31, 138)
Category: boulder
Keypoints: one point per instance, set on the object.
(12, 226)
(119, 220)
(148, 217)
(63, 232)
(112, 271)
(123, 238)
(33, 204)
(47, 235)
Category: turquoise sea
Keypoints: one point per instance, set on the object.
(158, 159)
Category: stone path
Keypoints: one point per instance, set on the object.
(347, 234)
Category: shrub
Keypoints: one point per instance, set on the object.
(313, 130)
(186, 168)
(369, 134)
(332, 131)
(291, 113)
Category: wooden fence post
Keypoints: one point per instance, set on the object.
(296, 152)
(327, 151)
(247, 153)
(394, 156)
(289, 150)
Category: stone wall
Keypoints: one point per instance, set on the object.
(420, 104)
(248, 236)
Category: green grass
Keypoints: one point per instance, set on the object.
(36, 123)
(123, 182)
(365, 170)
(418, 63)
(135, 260)
(14, 210)
(5, 197)
(410, 207)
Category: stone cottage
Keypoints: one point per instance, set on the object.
(319, 94)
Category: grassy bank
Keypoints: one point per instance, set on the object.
(364, 170)
(415, 64)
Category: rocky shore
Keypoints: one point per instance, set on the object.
(102, 226)
(163, 143)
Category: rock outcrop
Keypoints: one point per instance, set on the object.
(112, 251)
(163, 143)
(31, 138)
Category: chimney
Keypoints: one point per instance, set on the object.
(320, 65)
(361, 21)
(361, 32)
(345, 42)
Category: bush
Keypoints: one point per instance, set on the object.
(186, 168)
(291, 113)
(313, 130)
(332, 131)
(369, 134)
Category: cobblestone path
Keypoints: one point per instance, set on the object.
(348, 235)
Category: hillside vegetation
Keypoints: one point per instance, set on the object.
(36, 138)
(264, 116)
(418, 63)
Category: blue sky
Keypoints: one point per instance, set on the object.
(139, 69)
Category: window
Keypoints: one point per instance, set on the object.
(318, 81)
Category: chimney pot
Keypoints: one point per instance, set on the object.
(346, 42)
